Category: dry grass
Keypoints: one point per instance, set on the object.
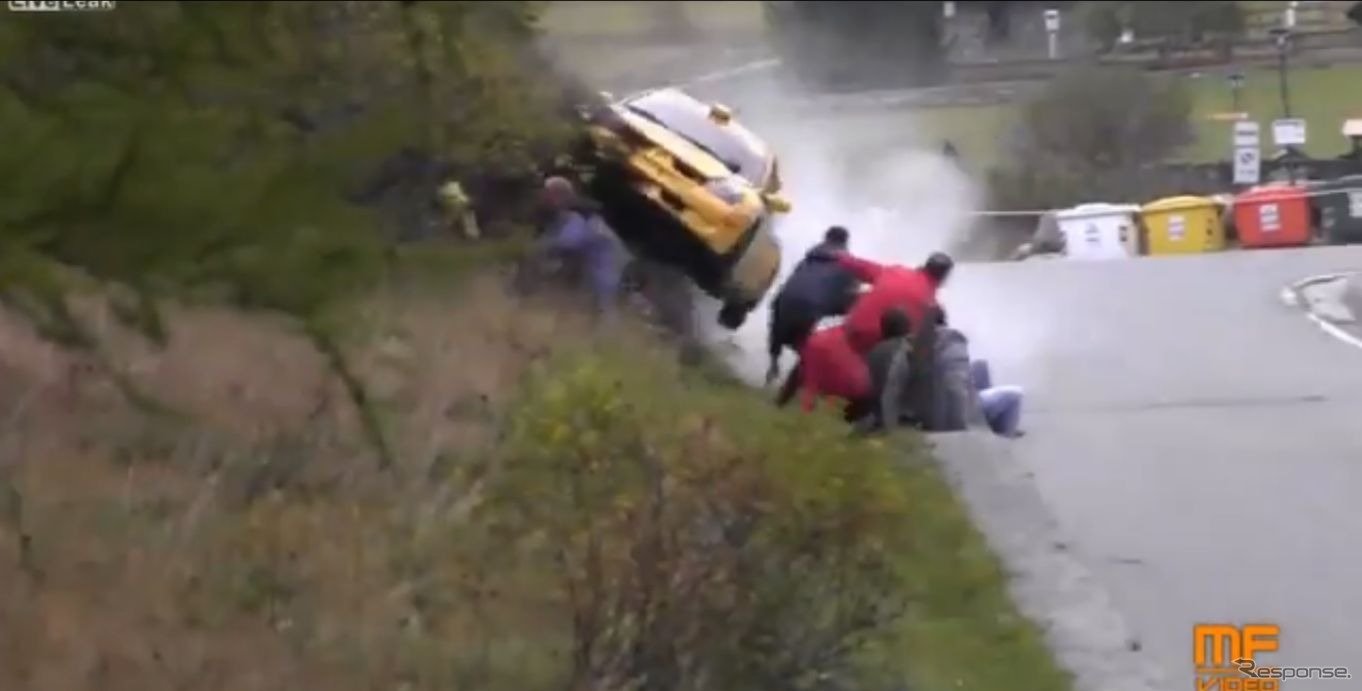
(256, 545)
(143, 553)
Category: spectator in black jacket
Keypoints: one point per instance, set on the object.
(819, 287)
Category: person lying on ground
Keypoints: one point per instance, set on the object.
(819, 287)
(888, 365)
(577, 232)
(832, 372)
(891, 285)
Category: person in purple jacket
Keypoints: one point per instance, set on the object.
(577, 232)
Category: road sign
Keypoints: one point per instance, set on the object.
(1288, 132)
(1051, 20)
(1052, 33)
(1246, 133)
(1248, 169)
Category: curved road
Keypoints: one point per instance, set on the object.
(1199, 441)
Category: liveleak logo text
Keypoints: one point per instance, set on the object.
(62, 6)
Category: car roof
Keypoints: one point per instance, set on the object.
(690, 117)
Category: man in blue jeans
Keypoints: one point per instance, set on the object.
(1001, 405)
(578, 233)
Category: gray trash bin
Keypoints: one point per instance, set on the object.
(1339, 205)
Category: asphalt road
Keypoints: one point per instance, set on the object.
(1198, 440)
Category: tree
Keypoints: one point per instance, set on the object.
(1106, 118)
(1181, 23)
(859, 44)
(1091, 133)
(176, 149)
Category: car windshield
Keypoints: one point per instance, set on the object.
(731, 144)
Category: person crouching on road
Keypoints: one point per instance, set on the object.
(888, 365)
(963, 394)
(911, 290)
(831, 371)
(819, 287)
(577, 232)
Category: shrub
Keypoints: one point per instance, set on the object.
(1101, 118)
(1180, 23)
(1092, 133)
(186, 149)
(699, 541)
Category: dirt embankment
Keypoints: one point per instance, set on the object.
(131, 544)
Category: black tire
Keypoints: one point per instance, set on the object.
(733, 315)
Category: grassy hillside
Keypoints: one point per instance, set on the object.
(251, 541)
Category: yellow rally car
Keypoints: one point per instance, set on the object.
(685, 184)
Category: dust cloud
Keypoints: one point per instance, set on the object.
(899, 196)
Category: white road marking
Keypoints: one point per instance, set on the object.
(1291, 296)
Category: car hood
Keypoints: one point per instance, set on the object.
(678, 146)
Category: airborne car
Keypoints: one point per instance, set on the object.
(685, 184)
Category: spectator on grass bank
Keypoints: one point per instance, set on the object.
(889, 364)
(819, 287)
(457, 210)
(833, 372)
(912, 290)
(963, 393)
(577, 233)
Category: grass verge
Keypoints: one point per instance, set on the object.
(1324, 97)
(569, 508)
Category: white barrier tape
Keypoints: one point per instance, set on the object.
(1307, 194)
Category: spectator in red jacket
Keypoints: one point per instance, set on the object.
(831, 369)
(893, 286)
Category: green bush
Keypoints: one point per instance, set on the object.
(1093, 134)
(1179, 23)
(179, 150)
(700, 539)
(700, 543)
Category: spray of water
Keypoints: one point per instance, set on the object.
(900, 198)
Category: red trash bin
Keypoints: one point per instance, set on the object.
(1273, 216)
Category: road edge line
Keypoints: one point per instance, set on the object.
(1048, 582)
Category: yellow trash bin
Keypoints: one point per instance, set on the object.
(1183, 225)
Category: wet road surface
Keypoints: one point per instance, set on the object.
(1200, 441)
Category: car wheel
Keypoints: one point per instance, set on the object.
(733, 315)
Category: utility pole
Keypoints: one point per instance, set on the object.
(1283, 44)
(1283, 38)
(1236, 89)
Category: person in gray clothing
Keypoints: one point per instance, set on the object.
(889, 366)
(953, 403)
(963, 394)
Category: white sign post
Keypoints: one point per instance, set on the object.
(1288, 132)
(1052, 32)
(1248, 163)
(1246, 133)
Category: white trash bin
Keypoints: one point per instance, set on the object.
(1100, 231)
